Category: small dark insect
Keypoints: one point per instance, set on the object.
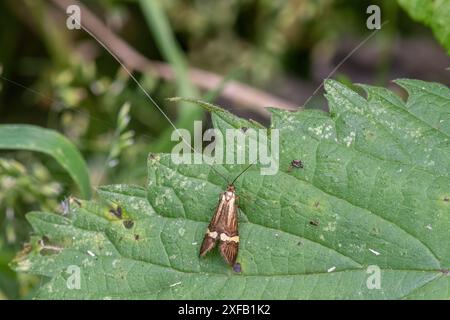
(224, 226)
(244, 129)
(117, 212)
(298, 164)
(136, 237)
(128, 224)
(314, 222)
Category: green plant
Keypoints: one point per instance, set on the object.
(21, 189)
(52, 143)
(123, 137)
(164, 36)
(434, 14)
(374, 190)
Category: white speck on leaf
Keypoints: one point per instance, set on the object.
(331, 226)
(175, 284)
(350, 138)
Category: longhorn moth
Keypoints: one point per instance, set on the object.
(223, 226)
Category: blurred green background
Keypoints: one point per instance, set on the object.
(241, 54)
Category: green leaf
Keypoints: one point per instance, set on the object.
(27, 137)
(374, 191)
(433, 13)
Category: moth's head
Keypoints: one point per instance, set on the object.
(229, 194)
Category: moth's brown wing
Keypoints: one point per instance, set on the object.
(229, 251)
(211, 236)
(207, 245)
(229, 235)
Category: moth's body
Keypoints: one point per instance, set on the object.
(224, 228)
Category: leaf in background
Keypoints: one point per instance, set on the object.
(376, 183)
(433, 13)
(169, 48)
(27, 137)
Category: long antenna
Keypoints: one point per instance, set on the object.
(251, 164)
(343, 61)
(133, 78)
(144, 91)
